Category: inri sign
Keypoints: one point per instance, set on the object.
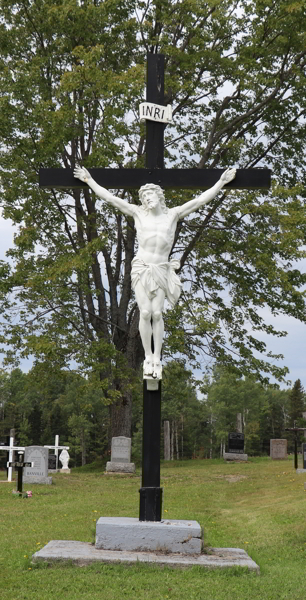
(155, 112)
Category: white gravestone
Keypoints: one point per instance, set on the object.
(39, 472)
(64, 459)
(120, 456)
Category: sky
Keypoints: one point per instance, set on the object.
(292, 346)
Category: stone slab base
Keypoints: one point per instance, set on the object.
(67, 471)
(126, 533)
(115, 467)
(33, 479)
(234, 456)
(298, 471)
(82, 554)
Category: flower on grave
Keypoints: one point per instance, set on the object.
(29, 494)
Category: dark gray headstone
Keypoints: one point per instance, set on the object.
(304, 455)
(4, 456)
(236, 443)
(52, 462)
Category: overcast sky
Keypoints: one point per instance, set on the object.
(292, 346)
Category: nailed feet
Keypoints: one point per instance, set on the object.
(152, 368)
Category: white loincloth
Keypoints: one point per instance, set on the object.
(154, 277)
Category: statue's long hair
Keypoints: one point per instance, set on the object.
(159, 192)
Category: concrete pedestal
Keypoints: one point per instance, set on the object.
(116, 467)
(235, 456)
(83, 553)
(125, 533)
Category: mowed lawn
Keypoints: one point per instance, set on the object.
(259, 506)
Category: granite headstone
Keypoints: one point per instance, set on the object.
(235, 447)
(39, 472)
(278, 449)
(120, 456)
(52, 463)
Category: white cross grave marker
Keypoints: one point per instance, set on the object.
(56, 448)
(11, 448)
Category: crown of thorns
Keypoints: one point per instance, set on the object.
(159, 192)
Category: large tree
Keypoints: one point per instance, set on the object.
(72, 74)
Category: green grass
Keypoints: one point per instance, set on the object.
(259, 506)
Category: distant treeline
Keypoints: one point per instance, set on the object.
(42, 403)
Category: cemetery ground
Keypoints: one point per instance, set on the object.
(258, 506)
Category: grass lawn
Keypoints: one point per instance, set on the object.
(259, 506)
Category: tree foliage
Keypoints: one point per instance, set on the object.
(72, 74)
(264, 411)
(44, 403)
(296, 403)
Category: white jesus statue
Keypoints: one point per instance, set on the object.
(153, 275)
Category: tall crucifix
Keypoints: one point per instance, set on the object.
(156, 277)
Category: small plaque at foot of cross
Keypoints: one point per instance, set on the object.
(152, 384)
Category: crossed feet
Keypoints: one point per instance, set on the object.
(152, 367)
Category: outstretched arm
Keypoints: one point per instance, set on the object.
(208, 195)
(82, 174)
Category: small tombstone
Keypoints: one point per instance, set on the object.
(236, 443)
(39, 472)
(3, 458)
(120, 456)
(304, 455)
(278, 449)
(64, 459)
(235, 447)
(52, 463)
(303, 470)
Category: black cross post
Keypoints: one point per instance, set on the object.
(151, 492)
(295, 430)
(19, 466)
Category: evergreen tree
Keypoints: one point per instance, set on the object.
(296, 404)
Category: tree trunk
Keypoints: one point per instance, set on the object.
(211, 439)
(167, 440)
(176, 443)
(83, 447)
(172, 440)
(121, 416)
(121, 411)
(182, 437)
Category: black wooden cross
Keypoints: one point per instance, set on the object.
(19, 466)
(151, 492)
(154, 171)
(295, 430)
